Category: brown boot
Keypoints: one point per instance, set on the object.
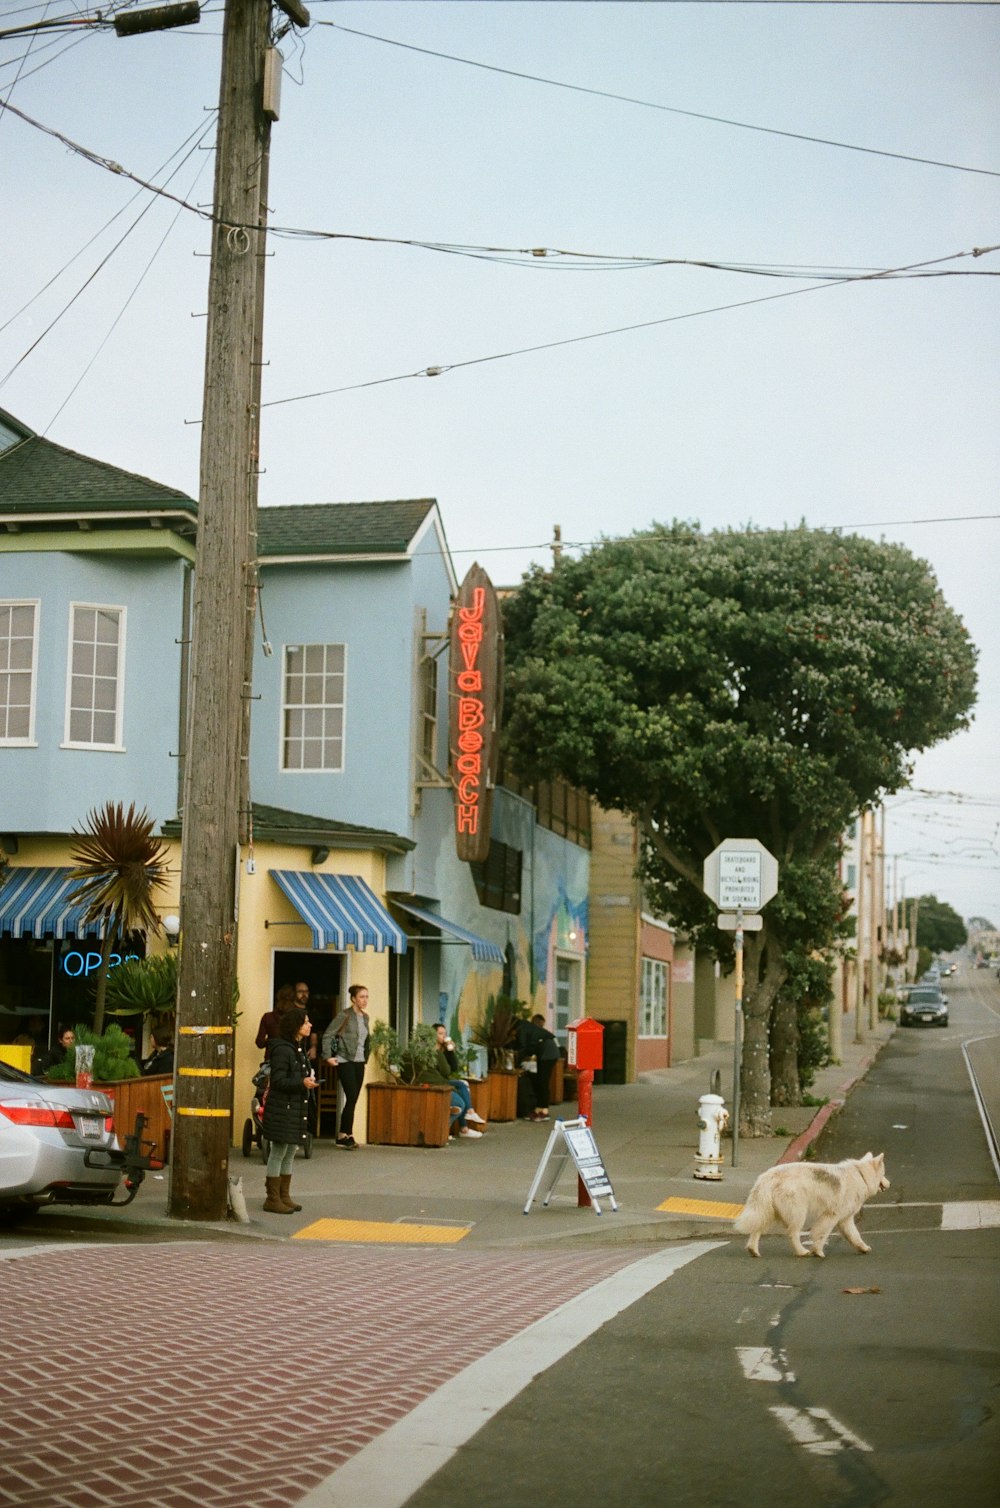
(284, 1192)
(273, 1203)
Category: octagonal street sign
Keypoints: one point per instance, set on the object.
(740, 875)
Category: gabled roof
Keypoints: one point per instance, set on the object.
(317, 530)
(40, 478)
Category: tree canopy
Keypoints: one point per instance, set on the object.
(940, 929)
(752, 683)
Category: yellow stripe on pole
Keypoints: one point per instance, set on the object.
(190, 1110)
(205, 1031)
(206, 1073)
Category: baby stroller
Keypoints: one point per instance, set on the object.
(253, 1126)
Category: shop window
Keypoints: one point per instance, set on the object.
(653, 998)
(94, 683)
(561, 808)
(498, 878)
(18, 658)
(313, 707)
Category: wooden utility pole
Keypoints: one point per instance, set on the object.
(224, 595)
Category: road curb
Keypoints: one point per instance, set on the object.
(796, 1149)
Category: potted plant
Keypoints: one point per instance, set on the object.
(116, 1074)
(402, 1112)
(496, 1032)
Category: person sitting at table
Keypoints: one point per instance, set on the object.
(439, 1073)
(161, 1055)
(65, 1039)
(448, 1066)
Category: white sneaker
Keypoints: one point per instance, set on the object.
(473, 1115)
(468, 1131)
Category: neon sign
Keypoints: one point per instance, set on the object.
(75, 964)
(476, 684)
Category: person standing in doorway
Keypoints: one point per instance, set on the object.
(286, 1109)
(346, 1044)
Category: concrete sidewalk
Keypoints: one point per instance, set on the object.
(475, 1190)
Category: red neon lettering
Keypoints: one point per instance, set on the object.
(470, 654)
(468, 789)
(470, 742)
(470, 712)
(467, 819)
(470, 680)
(470, 633)
(475, 612)
(470, 764)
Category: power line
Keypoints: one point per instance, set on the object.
(646, 104)
(647, 324)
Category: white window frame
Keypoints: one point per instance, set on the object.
(649, 1005)
(284, 768)
(28, 741)
(117, 746)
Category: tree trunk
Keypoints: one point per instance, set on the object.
(764, 975)
(101, 989)
(785, 1086)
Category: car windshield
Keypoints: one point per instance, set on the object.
(925, 997)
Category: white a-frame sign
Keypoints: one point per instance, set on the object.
(572, 1140)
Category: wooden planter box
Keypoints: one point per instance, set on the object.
(129, 1097)
(408, 1115)
(481, 1098)
(503, 1094)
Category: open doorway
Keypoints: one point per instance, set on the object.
(322, 972)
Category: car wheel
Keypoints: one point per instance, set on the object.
(247, 1138)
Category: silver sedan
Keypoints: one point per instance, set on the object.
(57, 1143)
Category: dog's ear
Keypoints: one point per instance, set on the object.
(868, 1157)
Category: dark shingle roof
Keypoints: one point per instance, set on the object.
(37, 476)
(341, 528)
(275, 824)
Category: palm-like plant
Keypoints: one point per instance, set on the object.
(119, 864)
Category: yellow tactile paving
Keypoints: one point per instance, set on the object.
(700, 1207)
(382, 1231)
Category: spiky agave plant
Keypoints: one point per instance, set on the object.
(119, 864)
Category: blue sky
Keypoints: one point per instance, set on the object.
(870, 406)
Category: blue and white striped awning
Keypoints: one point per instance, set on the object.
(483, 950)
(341, 911)
(41, 903)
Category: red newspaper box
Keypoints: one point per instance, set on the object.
(585, 1044)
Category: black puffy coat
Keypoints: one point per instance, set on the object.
(286, 1110)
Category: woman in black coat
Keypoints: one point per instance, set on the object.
(286, 1108)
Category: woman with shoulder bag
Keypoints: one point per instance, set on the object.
(285, 1122)
(346, 1044)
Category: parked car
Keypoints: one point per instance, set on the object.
(924, 1005)
(57, 1143)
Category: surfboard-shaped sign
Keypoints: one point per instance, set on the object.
(476, 687)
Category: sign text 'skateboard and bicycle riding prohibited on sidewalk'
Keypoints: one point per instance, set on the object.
(572, 1140)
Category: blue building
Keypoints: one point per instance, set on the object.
(350, 871)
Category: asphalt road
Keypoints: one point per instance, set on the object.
(743, 1382)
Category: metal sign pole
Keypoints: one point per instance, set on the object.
(737, 1036)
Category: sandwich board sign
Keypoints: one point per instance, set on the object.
(572, 1141)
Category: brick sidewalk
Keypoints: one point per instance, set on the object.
(178, 1375)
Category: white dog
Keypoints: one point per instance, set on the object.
(817, 1195)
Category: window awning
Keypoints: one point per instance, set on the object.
(341, 910)
(483, 950)
(41, 903)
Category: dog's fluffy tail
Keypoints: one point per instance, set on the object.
(751, 1215)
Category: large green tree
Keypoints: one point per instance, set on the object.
(940, 929)
(751, 683)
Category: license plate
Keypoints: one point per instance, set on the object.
(92, 1127)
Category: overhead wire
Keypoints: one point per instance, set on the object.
(549, 345)
(646, 104)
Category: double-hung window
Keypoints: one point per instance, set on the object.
(95, 681)
(653, 998)
(18, 659)
(312, 714)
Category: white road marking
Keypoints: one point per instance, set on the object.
(970, 1215)
(804, 1425)
(762, 1364)
(390, 1469)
